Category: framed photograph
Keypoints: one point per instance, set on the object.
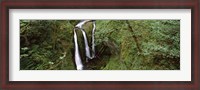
(114, 44)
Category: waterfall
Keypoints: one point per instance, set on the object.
(93, 44)
(87, 51)
(79, 65)
(79, 26)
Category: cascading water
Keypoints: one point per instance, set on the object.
(93, 44)
(87, 51)
(78, 61)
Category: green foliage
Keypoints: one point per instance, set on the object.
(142, 44)
(120, 45)
(46, 44)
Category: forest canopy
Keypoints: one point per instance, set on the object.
(119, 44)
